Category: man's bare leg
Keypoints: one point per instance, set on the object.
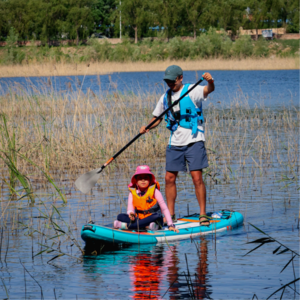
(171, 191)
(200, 191)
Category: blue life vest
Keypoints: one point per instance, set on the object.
(187, 117)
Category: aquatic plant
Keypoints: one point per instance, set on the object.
(58, 233)
(9, 155)
(278, 250)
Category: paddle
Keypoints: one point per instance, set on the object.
(86, 181)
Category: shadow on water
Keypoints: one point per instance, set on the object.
(153, 271)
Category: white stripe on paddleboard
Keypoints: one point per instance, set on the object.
(183, 225)
(178, 237)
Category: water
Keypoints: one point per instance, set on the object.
(217, 265)
(222, 271)
(273, 88)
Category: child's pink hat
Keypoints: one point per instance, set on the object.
(144, 169)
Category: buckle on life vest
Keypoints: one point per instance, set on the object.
(149, 200)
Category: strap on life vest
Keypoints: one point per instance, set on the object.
(152, 210)
(176, 115)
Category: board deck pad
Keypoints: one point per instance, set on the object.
(188, 226)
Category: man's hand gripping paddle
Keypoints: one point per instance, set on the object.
(87, 181)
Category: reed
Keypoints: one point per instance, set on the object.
(9, 156)
(60, 132)
(106, 67)
(280, 249)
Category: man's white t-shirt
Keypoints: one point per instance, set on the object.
(183, 136)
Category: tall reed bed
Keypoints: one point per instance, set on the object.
(53, 68)
(55, 132)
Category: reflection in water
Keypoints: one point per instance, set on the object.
(186, 284)
(202, 271)
(146, 273)
(156, 271)
(150, 269)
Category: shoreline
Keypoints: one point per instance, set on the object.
(102, 68)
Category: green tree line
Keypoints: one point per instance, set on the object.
(47, 20)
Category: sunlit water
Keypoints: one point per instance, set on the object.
(272, 88)
(217, 266)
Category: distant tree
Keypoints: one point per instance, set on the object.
(80, 18)
(47, 18)
(134, 13)
(168, 13)
(293, 16)
(274, 9)
(17, 16)
(3, 19)
(101, 12)
(195, 11)
(227, 14)
(257, 13)
(284, 11)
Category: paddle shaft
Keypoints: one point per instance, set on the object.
(149, 126)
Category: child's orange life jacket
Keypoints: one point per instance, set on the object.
(145, 205)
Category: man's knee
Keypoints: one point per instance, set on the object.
(170, 178)
(197, 178)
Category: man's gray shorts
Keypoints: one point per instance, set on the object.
(193, 154)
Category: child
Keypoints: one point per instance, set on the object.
(145, 204)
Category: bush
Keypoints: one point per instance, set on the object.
(178, 49)
(261, 48)
(202, 47)
(242, 47)
(13, 54)
(121, 52)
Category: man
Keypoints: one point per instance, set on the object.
(186, 143)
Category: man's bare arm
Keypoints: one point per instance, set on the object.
(210, 87)
(143, 128)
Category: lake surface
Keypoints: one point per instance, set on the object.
(272, 88)
(217, 264)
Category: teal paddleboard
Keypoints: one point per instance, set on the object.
(188, 227)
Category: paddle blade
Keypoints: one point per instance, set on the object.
(87, 181)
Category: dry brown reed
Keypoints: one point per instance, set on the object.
(60, 132)
(93, 68)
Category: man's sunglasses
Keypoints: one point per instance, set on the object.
(167, 81)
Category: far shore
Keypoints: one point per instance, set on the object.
(101, 68)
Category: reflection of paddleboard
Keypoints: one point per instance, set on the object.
(188, 226)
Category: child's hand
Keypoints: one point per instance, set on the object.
(173, 229)
(132, 216)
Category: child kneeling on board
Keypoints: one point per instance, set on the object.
(145, 204)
